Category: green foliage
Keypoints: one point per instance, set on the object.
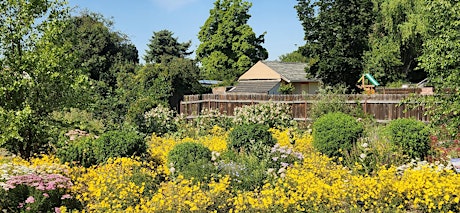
(286, 88)
(336, 32)
(164, 46)
(271, 114)
(159, 120)
(295, 56)
(74, 118)
(247, 172)
(441, 51)
(191, 159)
(80, 151)
(35, 76)
(122, 143)
(335, 134)
(209, 118)
(228, 47)
(411, 136)
(396, 41)
(252, 139)
(333, 99)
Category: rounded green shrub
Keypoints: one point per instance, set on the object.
(189, 156)
(252, 139)
(336, 133)
(79, 151)
(119, 144)
(411, 136)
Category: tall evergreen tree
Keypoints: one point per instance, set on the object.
(336, 33)
(228, 44)
(164, 46)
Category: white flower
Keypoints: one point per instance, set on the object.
(364, 145)
(362, 155)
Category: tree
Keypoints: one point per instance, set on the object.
(396, 41)
(164, 45)
(104, 54)
(336, 33)
(295, 56)
(441, 51)
(35, 77)
(100, 49)
(229, 47)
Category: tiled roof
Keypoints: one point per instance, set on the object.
(256, 86)
(290, 72)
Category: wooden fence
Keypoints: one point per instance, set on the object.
(384, 107)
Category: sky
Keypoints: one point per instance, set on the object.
(138, 19)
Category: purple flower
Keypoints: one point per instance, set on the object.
(30, 199)
(283, 164)
(275, 158)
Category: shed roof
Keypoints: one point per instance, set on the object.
(275, 70)
(290, 72)
(254, 86)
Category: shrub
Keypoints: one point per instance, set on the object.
(119, 144)
(333, 99)
(246, 172)
(190, 159)
(209, 118)
(251, 138)
(159, 120)
(37, 193)
(411, 136)
(271, 114)
(335, 133)
(79, 151)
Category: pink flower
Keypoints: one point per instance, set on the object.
(46, 195)
(30, 199)
(66, 196)
(57, 210)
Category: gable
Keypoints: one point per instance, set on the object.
(260, 71)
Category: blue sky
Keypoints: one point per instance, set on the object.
(140, 18)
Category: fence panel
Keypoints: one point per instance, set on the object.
(383, 107)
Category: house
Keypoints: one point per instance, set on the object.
(268, 76)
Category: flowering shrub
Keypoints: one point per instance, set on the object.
(36, 186)
(116, 186)
(208, 119)
(272, 114)
(159, 120)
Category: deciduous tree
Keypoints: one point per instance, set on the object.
(35, 75)
(228, 44)
(336, 33)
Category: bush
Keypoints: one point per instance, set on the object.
(79, 151)
(159, 120)
(251, 138)
(191, 160)
(335, 133)
(119, 144)
(333, 99)
(246, 172)
(270, 114)
(411, 136)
